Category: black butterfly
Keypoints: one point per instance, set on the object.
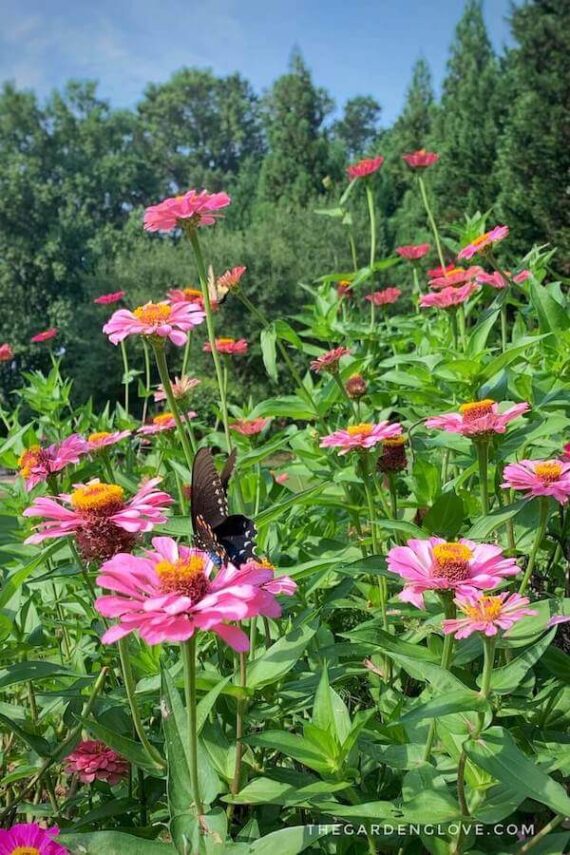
(225, 536)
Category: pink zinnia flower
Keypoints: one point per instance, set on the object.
(163, 421)
(6, 353)
(413, 251)
(186, 295)
(487, 614)
(482, 241)
(555, 620)
(104, 438)
(477, 418)
(421, 159)
(448, 297)
(436, 272)
(92, 760)
(228, 346)
(384, 297)
(113, 297)
(249, 427)
(539, 478)
(170, 593)
(364, 435)
(165, 320)
(495, 280)
(344, 288)
(181, 387)
(46, 335)
(329, 361)
(522, 276)
(363, 168)
(37, 463)
(436, 565)
(194, 208)
(231, 278)
(29, 839)
(454, 276)
(278, 584)
(566, 452)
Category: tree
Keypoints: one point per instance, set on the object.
(358, 127)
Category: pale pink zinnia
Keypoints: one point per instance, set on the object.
(46, 335)
(107, 299)
(282, 584)
(231, 278)
(365, 167)
(104, 438)
(454, 276)
(436, 565)
(170, 593)
(487, 614)
(421, 159)
(181, 388)
(92, 760)
(539, 478)
(6, 353)
(384, 297)
(521, 276)
(477, 418)
(29, 839)
(165, 320)
(186, 295)
(195, 208)
(495, 280)
(162, 422)
(329, 361)
(228, 346)
(361, 436)
(413, 251)
(483, 241)
(37, 464)
(249, 427)
(448, 297)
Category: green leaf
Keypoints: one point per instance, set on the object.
(268, 337)
(17, 579)
(374, 635)
(485, 525)
(496, 752)
(329, 710)
(445, 517)
(288, 841)
(280, 658)
(37, 743)
(505, 680)
(206, 704)
(552, 317)
(461, 700)
(133, 751)
(113, 843)
(286, 406)
(480, 334)
(291, 745)
(20, 672)
(273, 513)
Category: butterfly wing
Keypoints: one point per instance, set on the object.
(206, 540)
(236, 536)
(228, 470)
(217, 292)
(208, 497)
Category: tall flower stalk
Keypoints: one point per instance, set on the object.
(189, 660)
(160, 356)
(431, 220)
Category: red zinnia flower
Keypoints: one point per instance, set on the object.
(329, 361)
(195, 208)
(413, 251)
(113, 297)
(92, 761)
(46, 335)
(6, 353)
(249, 427)
(229, 346)
(384, 297)
(363, 168)
(421, 159)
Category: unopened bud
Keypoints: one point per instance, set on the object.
(356, 386)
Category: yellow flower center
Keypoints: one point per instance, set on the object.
(28, 459)
(549, 471)
(488, 608)
(453, 271)
(192, 293)
(25, 850)
(153, 313)
(162, 419)
(363, 429)
(395, 442)
(476, 409)
(267, 564)
(226, 340)
(185, 576)
(479, 239)
(99, 435)
(452, 561)
(98, 497)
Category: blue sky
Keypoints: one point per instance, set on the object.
(358, 47)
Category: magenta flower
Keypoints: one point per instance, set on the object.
(29, 839)
(555, 620)
(483, 241)
(278, 584)
(344, 288)
(566, 452)
(539, 478)
(165, 320)
(194, 208)
(37, 463)
(6, 353)
(231, 278)
(46, 335)
(103, 439)
(436, 565)
(436, 272)
(495, 280)
(181, 388)
(477, 418)
(249, 427)
(92, 760)
(413, 251)
(487, 614)
(365, 167)
(170, 593)
(421, 159)
(384, 297)
(164, 421)
(448, 297)
(329, 361)
(522, 276)
(228, 346)
(107, 299)
(362, 436)
(186, 295)
(454, 276)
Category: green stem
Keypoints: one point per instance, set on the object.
(454, 332)
(431, 221)
(446, 657)
(482, 447)
(353, 250)
(125, 374)
(372, 216)
(550, 826)
(504, 327)
(129, 682)
(417, 289)
(189, 659)
(241, 706)
(147, 379)
(186, 356)
(393, 495)
(543, 521)
(160, 357)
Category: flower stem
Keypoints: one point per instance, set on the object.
(482, 447)
(453, 321)
(160, 357)
(543, 520)
(431, 221)
(372, 216)
(129, 682)
(147, 379)
(189, 659)
(186, 356)
(241, 705)
(504, 336)
(125, 374)
(446, 656)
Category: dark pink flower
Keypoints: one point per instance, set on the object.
(539, 478)
(6, 353)
(362, 436)
(421, 159)
(363, 168)
(92, 760)
(454, 276)
(522, 276)
(231, 278)
(413, 251)
(228, 346)
(106, 299)
(249, 427)
(192, 208)
(163, 320)
(46, 335)
(487, 614)
(495, 280)
(566, 452)
(384, 297)
(37, 463)
(477, 418)
(329, 361)
(483, 241)
(186, 295)
(356, 387)
(344, 288)
(448, 297)
(29, 839)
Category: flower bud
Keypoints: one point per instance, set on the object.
(393, 455)
(356, 386)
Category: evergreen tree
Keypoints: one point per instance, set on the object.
(359, 124)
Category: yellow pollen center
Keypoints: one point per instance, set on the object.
(479, 239)
(549, 471)
(95, 437)
(226, 340)
(25, 850)
(453, 271)
(476, 409)
(444, 553)
(267, 564)
(192, 293)
(28, 459)
(97, 497)
(153, 313)
(363, 429)
(488, 608)
(451, 562)
(395, 442)
(184, 576)
(162, 419)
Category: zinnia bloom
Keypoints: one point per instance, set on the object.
(181, 387)
(6, 353)
(170, 593)
(393, 455)
(435, 272)
(29, 839)
(421, 159)
(249, 427)
(363, 168)
(495, 280)
(228, 346)
(477, 418)
(356, 387)
(566, 452)
(46, 335)
(163, 421)
(364, 435)
(92, 760)
(448, 297)
(113, 297)
(165, 320)
(413, 251)
(482, 241)
(539, 478)
(454, 276)
(344, 288)
(278, 584)
(436, 565)
(192, 208)
(100, 517)
(521, 276)
(186, 295)
(281, 478)
(384, 297)
(104, 438)
(329, 361)
(487, 614)
(37, 463)
(231, 278)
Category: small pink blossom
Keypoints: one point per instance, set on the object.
(413, 251)
(37, 463)
(103, 439)
(448, 297)
(231, 278)
(282, 584)
(329, 361)
(539, 478)
(228, 346)
(106, 299)
(181, 388)
(477, 418)
(436, 565)
(566, 452)
(196, 208)
(92, 760)
(421, 159)
(162, 422)
(186, 295)
(555, 620)
(46, 335)
(483, 241)
(281, 478)
(361, 436)
(487, 614)
(384, 297)
(6, 353)
(495, 280)
(28, 839)
(454, 276)
(249, 427)
(436, 272)
(165, 320)
(365, 167)
(344, 288)
(521, 276)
